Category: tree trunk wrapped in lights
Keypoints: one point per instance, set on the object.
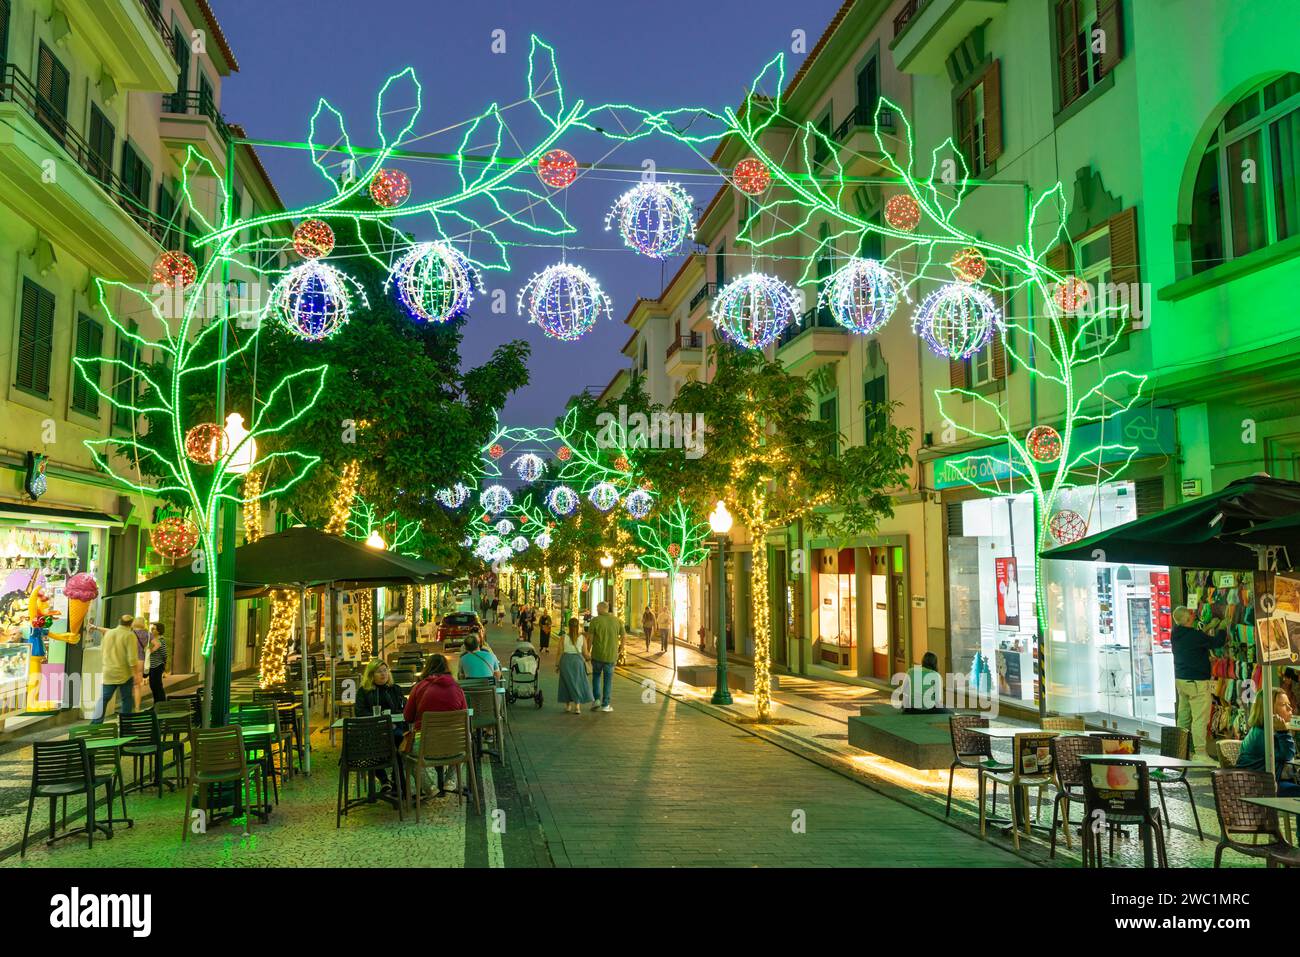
(344, 496)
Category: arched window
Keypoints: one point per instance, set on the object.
(1247, 189)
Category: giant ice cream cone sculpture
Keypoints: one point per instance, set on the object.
(80, 591)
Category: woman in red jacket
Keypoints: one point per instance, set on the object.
(436, 691)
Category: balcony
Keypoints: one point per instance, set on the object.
(705, 293)
(926, 31)
(856, 136)
(191, 119)
(684, 353)
(130, 37)
(818, 339)
(84, 207)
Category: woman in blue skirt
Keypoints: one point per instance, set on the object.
(575, 688)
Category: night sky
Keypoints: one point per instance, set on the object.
(654, 55)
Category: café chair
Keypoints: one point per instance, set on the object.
(1066, 751)
(1239, 818)
(264, 748)
(483, 701)
(1116, 742)
(218, 757)
(1031, 757)
(104, 761)
(1064, 723)
(1117, 791)
(148, 746)
(1176, 743)
(60, 769)
(368, 746)
(444, 742)
(1229, 751)
(971, 750)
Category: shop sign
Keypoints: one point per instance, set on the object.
(1148, 429)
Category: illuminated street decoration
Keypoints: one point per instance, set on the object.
(557, 169)
(753, 310)
(496, 499)
(529, 467)
(862, 295)
(313, 239)
(314, 299)
(434, 282)
(453, 497)
(564, 301)
(604, 495)
(957, 320)
(562, 500)
(655, 219)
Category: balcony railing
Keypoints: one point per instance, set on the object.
(908, 14)
(862, 115)
(814, 318)
(154, 16)
(690, 340)
(707, 291)
(17, 88)
(196, 103)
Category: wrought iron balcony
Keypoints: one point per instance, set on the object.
(689, 340)
(706, 291)
(862, 115)
(196, 103)
(814, 318)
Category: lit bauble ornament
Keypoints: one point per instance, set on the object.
(174, 268)
(564, 300)
(674, 551)
(453, 497)
(957, 320)
(622, 464)
(496, 499)
(969, 265)
(564, 454)
(390, 188)
(557, 169)
(638, 503)
(1043, 443)
(1071, 294)
(313, 239)
(543, 541)
(1067, 526)
(529, 467)
(562, 500)
(206, 443)
(753, 310)
(751, 176)
(496, 451)
(434, 282)
(653, 218)
(862, 295)
(902, 212)
(174, 537)
(603, 495)
(519, 544)
(487, 546)
(505, 527)
(315, 300)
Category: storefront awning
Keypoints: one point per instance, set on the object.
(17, 511)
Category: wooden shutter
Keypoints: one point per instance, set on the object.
(52, 93)
(959, 373)
(35, 339)
(1111, 22)
(1067, 49)
(1124, 249)
(90, 344)
(992, 112)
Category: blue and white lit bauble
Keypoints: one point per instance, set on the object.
(487, 546)
(453, 497)
(753, 310)
(519, 543)
(638, 503)
(654, 218)
(314, 299)
(496, 499)
(505, 527)
(503, 554)
(957, 320)
(564, 300)
(562, 500)
(543, 541)
(862, 295)
(529, 467)
(604, 495)
(434, 282)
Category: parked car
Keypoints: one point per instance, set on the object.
(459, 625)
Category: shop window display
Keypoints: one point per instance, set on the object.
(837, 600)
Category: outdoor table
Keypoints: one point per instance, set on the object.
(1009, 733)
(1157, 761)
(99, 744)
(395, 717)
(1286, 805)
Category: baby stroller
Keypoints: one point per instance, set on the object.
(524, 668)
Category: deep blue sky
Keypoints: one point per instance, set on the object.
(655, 55)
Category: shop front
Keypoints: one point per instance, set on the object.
(676, 604)
(859, 622)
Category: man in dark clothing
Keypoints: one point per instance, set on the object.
(1192, 675)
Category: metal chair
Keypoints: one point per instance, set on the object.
(487, 714)
(1031, 756)
(1117, 791)
(445, 741)
(1241, 818)
(260, 715)
(104, 760)
(147, 746)
(1176, 743)
(219, 758)
(971, 750)
(368, 746)
(1068, 769)
(60, 769)
(1063, 723)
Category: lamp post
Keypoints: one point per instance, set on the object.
(720, 522)
(607, 562)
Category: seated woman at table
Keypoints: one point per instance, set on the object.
(378, 693)
(435, 691)
(1252, 746)
(478, 662)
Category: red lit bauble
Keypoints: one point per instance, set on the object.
(1044, 443)
(586, 586)
(1071, 294)
(969, 265)
(205, 443)
(903, 213)
(313, 239)
(674, 550)
(174, 537)
(496, 451)
(174, 268)
(751, 176)
(557, 169)
(564, 454)
(390, 188)
(622, 464)
(647, 485)
(1067, 526)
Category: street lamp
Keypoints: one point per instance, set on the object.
(720, 522)
(375, 540)
(241, 443)
(607, 562)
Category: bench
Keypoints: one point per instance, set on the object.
(706, 676)
(920, 741)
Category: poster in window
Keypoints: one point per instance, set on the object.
(1139, 629)
(1008, 585)
(1009, 678)
(1278, 605)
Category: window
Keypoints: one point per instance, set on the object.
(1093, 267)
(35, 340)
(874, 396)
(4, 30)
(51, 93)
(868, 89)
(181, 54)
(1256, 152)
(1089, 44)
(825, 266)
(981, 366)
(102, 136)
(829, 411)
(207, 100)
(720, 264)
(135, 175)
(90, 345)
(124, 387)
(979, 120)
(821, 151)
(872, 244)
(167, 214)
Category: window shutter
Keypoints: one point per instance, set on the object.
(27, 335)
(1067, 49)
(1111, 22)
(44, 345)
(90, 341)
(1149, 496)
(959, 373)
(992, 112)
(1124, 249)
(999, 357)
(955, 528)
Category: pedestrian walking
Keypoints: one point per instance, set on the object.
(122, 674)
(526, 623)
(647, 626)
(514, 612)
(574, 690)
(1191, 648)
(606, 642)
(157, 661)
(544, 632)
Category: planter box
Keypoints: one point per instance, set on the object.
(920, 741)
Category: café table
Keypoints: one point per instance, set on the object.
(100, 744)
(1286, 806)
(258, 737)
(1164, 762)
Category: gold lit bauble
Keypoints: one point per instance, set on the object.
(969, 265)
(313, 239)
(390, 188)
(622, 464)
(1044, 443)
(1071, 294)
(902, 212)
(751, 176)
(174, 268)
(557, 169)
(205, 443)
(674, 550)
(174, 537)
